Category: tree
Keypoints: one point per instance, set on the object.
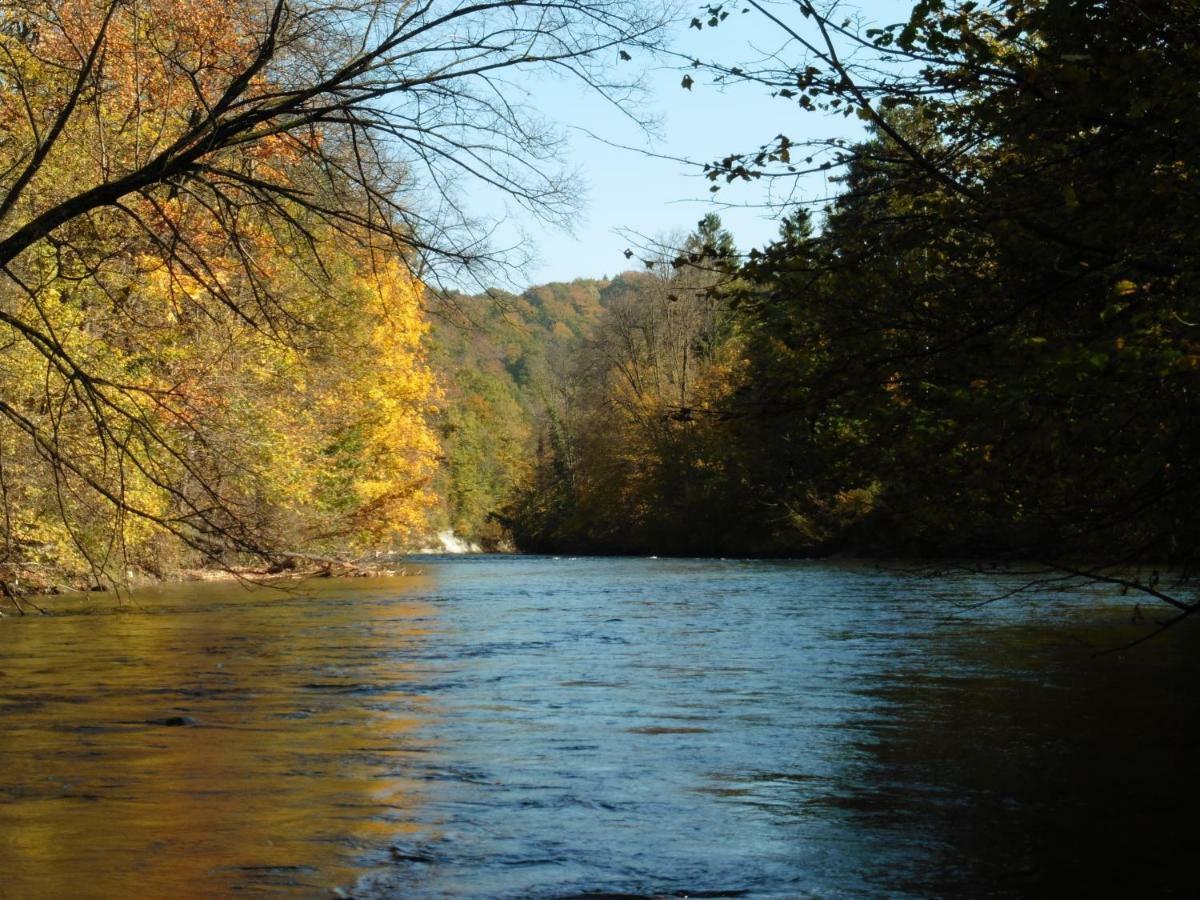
(190, 193)
(630, 463)
(1006, 284)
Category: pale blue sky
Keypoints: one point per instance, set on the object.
(628, 190)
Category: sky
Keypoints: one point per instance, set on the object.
(630, 193)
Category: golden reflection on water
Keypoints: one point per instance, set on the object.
(211, 740)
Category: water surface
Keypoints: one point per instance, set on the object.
(525, 727)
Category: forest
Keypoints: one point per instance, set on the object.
(987, 345)
(229, 333)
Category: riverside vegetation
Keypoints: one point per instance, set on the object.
(985, 344)
(216, 225)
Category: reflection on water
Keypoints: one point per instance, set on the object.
(554, 728)
(212, 740)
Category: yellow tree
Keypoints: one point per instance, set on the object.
(210, 213)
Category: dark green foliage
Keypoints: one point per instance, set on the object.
(996, 342)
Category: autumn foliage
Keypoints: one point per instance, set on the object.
(194, 372)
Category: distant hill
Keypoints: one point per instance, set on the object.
(500, 359)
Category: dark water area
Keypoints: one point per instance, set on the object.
(533, 727)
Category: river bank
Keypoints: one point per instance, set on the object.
(31, 593)
(21, 583)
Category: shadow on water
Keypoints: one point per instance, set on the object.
(529, 727)
(1038, 769)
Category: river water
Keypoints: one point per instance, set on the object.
(533, 727)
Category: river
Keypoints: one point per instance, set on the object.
(534, 727)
